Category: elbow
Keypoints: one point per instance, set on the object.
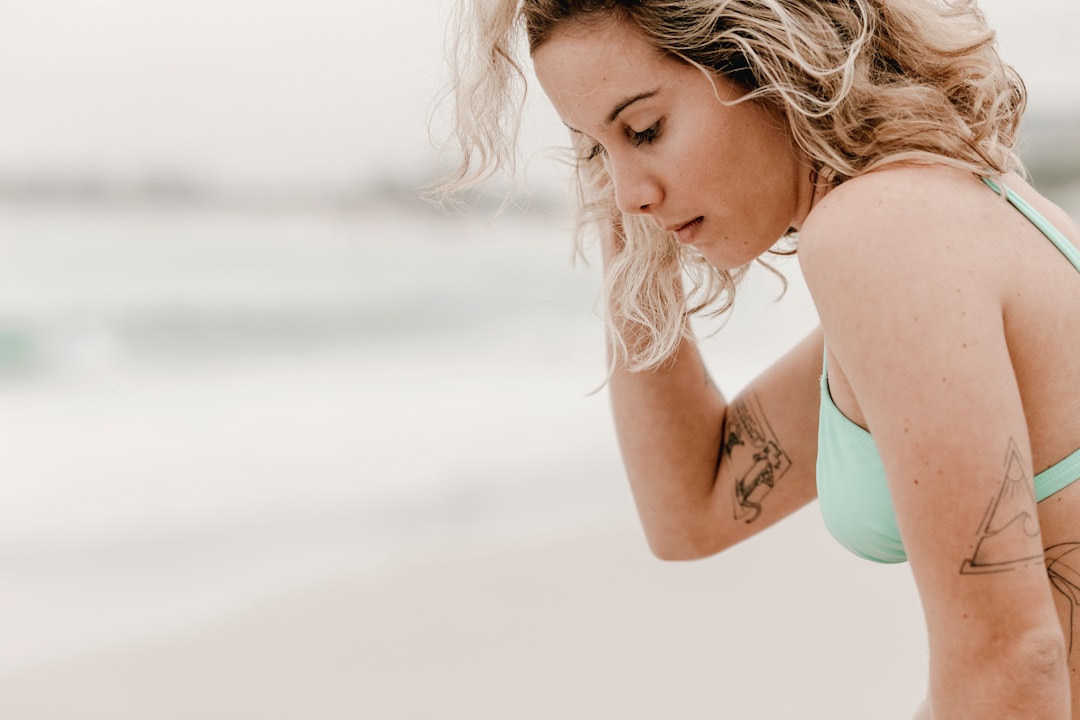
(682, 546)
(670, 552)
(1038, 655)
(1045, 655)
(687, 529)
(1027, 666)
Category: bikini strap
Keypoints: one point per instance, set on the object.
(1045, 227)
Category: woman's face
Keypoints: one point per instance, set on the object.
(725, 179)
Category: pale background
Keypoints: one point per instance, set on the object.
(278, 441)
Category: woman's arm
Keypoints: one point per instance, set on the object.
(706, 474)
(910, 296)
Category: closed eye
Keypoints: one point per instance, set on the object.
(647, 136)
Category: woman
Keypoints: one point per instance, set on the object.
(934, 413)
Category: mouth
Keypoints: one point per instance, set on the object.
(685, 233)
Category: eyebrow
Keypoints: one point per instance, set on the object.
(627, 103)
(617, 110)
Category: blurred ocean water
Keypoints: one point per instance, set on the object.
(200, 407)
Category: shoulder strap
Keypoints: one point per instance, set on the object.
(1045, 227)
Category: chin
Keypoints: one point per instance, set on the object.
(724, 256)
(725, 260)
(720, 263)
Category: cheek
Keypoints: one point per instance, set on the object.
(698, 162)
(714, 158)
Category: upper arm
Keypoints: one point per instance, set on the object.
(910, 310)
(766, 468)
(706, 473)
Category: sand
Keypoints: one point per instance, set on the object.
(576, 624)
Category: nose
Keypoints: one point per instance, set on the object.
(637, 189)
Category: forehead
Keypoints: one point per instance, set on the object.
(585, 67)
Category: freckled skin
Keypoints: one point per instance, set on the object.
(733, 165)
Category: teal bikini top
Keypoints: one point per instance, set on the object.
(852, 490)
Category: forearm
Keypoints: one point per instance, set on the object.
(669, 423)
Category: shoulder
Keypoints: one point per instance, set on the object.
(899, 230)
(903, 258)
(920, 215)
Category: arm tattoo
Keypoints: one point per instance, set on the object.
(755, 454)
(1063, 567)
(1009, 532)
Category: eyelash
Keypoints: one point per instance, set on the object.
(646, 137)
(594, 152)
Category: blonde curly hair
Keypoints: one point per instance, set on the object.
(860, 83)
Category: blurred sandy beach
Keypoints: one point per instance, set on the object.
(279, 441)
(582, 625)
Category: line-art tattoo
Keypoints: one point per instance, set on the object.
(1010, 528)
(1063, 567)
(751, 443)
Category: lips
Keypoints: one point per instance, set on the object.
(685, 233)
